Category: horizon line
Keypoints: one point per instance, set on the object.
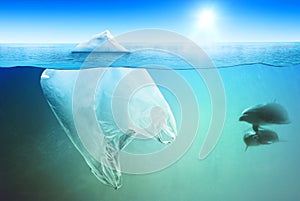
(218, 42)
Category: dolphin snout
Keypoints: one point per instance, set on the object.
(242, 118)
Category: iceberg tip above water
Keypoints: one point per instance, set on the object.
(101, 42)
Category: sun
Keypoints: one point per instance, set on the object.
(206, 29)
(206, 18)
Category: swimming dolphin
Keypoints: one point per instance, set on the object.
(267, 136)
(262, 137)
(270, 113)
(251, 140)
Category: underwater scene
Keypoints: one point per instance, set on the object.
(140, 121)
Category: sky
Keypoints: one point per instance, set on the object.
(50, 21)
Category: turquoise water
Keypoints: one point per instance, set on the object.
(39, 162)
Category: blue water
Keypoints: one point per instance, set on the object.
(38, 161)
(59, 56)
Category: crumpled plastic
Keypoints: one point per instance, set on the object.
(103, 109)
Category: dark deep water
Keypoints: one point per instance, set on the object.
(36, 156)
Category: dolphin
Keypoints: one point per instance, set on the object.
(262, 137)
(251, 140)
(267, 136)
(263, 114)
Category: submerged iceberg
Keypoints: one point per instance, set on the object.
(103, 109)
(102, 42)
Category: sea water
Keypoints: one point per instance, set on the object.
(39, 162)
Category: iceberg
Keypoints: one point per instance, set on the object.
(103, 109)
(102, 42)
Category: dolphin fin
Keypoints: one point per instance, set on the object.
(246, 148)
(255, 127)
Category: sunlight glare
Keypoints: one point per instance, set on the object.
(206, 19)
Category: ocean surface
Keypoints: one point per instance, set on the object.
(39, 162)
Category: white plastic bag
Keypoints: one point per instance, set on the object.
(103, 109)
